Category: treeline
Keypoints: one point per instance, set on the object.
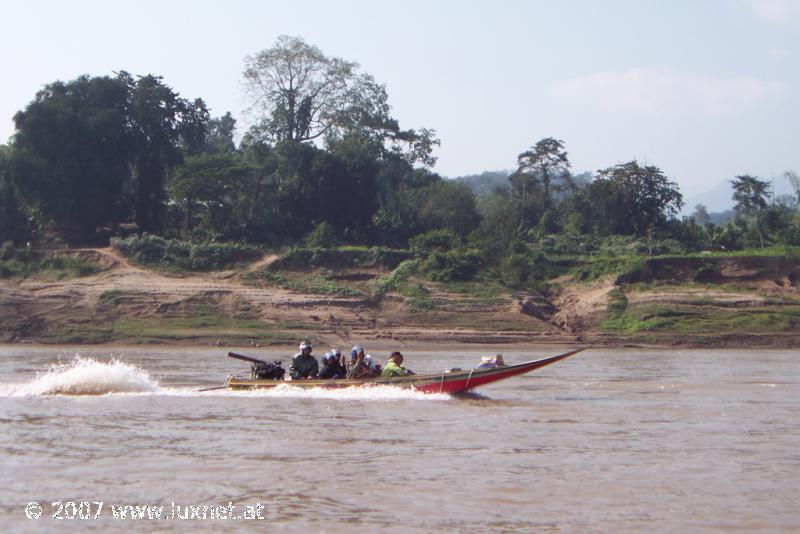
(326, 164)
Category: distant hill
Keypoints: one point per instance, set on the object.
(485, 183)
(489, 181)
(718, 198)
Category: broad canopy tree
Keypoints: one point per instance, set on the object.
(72, 151)
(97, 150)
(631, 199)
(300, 94)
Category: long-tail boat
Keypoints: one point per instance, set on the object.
(457, 381)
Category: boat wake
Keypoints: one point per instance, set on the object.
(370, 393)
(87, 376)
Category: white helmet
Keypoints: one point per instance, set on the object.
(305, 345)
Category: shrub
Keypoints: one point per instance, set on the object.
(625, 266)
(442, 240)
(400, 273)
(617, 302)
(341, 257)
(515, 269)
(322, 236)
(7, 250)
(145, 248)
(453, 265)
(154, 250)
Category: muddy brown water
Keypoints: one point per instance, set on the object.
(609, 440)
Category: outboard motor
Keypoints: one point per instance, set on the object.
(267, 371)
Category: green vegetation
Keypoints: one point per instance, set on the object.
(341, 257)
(117, 317)
(617, 303)
(170, 253)
(22, 263)
(171, 329)
(114, 297)
(702, 318)
(594, 268)
(322, 284)
(391, 281)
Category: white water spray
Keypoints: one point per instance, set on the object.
(85, 376)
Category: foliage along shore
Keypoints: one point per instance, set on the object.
(339, 295)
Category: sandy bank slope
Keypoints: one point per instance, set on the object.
(125, 303)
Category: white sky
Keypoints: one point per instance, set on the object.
(704, 90)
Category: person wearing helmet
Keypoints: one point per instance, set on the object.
(304, 365)
(331, 368)
(356, 368)
(373, 369)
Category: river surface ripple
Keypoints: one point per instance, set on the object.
(609, 440)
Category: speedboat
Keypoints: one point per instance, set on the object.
(455, 381)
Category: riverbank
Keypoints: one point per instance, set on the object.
(690, 302)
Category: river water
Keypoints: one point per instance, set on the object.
(608, 440)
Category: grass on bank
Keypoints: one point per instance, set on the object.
(205, 324)
(132, 317)
(48, 266)
(176, 255)
(149, 330)
(699, 318)
(320, 283)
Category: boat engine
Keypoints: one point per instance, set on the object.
(267, 371)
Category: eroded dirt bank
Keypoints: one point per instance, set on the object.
(681, 302)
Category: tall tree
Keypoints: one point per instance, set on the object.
(750, 195)
(545, 161)
(634, 199)
(701, 215)
(450, 205)
(159, 124)
(84, 147)
(794, 181)
(300, 91)
(13, 222)
(220, 135)
(300, 94)
(72, 151)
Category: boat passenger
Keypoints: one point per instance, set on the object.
(372, 370)
(356, 368)
(331, 368)
(375, 366)
(490, 362)
(394, 368)
(304, 365)
(338, 354)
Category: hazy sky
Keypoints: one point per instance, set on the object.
(705, 90)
